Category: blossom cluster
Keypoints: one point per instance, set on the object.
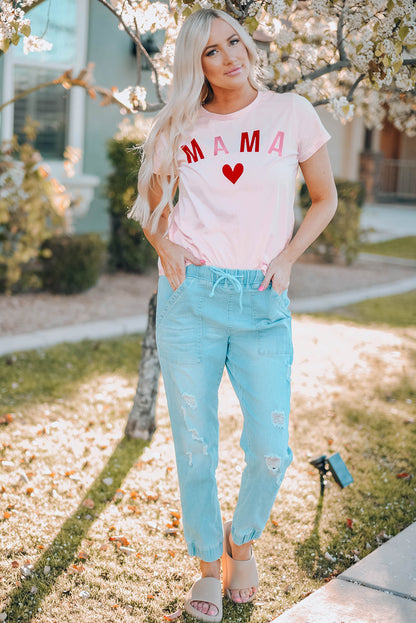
(347, 53)
(14, 24)
(144, 15)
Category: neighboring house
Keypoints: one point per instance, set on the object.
(81, 31)
(85, 31)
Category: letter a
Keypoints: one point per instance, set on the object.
(219, 146)
(277, 144)
(196, 152)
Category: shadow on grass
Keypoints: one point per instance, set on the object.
(25, 600)
(309, 552)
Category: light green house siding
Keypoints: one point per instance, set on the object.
(110, 49)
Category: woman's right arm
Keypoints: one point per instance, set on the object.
(172, 256)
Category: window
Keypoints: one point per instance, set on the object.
(57, 21)
(59, 113)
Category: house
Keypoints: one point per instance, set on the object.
(84, 31)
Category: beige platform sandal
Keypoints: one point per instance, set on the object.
(237, 574)
(209, 590)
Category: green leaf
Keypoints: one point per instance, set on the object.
(397, 65)
(25, 30)
(403, 32)
(251, 24)
(5, 44)
(15, 38)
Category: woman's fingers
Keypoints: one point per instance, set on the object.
(192, 258)
(278, 272)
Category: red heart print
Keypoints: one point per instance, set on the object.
(233, 174)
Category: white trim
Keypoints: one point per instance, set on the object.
(8, 92)
(76, 121)
(76, 114)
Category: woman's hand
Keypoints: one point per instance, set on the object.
(278, 272)
(173, 257)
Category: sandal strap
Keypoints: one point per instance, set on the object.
(242, 573)
(207, 589)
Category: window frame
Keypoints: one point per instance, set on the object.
(77, 95)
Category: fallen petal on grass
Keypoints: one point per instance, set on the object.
(173, 616)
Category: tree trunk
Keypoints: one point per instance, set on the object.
(141, 423)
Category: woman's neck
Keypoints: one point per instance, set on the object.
(226, 101)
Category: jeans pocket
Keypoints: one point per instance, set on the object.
(167, 297)
(272, 319)
(178, 323)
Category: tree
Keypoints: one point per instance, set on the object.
(355, 57)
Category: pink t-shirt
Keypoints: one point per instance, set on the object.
(237, 180)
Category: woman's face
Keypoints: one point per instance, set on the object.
(225, 61)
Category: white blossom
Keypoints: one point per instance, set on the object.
(342, 109)
(132, 98)
(35, 44)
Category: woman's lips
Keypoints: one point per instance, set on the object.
(234, 71)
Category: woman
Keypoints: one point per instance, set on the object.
(225, 258)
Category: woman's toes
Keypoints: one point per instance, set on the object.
(205, 607)
(235, 596)
(245, 595)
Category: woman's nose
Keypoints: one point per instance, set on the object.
(228, 56)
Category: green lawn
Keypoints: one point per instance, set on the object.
(398, 247)
(90, 509)
(395, 311)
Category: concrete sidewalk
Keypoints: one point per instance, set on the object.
(380, 588)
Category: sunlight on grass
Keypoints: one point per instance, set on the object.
(396, 311)
(398, 247)
(90, 525)
(33, 376)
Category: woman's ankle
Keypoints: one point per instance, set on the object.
(210, 569)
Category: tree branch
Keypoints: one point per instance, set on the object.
(135, 36)
(354, 86)
(233, 10)
(317, 73)
(340, 36)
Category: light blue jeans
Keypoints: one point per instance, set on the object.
(218, 317)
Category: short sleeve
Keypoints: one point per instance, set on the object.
(310, 130)
(160, 147)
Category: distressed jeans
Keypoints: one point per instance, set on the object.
(216, 318)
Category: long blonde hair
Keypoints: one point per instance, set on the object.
(190, 90)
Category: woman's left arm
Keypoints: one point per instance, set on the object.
(319, 179)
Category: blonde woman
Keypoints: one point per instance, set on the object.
(225, 258)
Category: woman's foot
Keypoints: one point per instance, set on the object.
(241, 552)
(208, 570)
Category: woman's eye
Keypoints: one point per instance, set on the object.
(211, 53)
(234, 41)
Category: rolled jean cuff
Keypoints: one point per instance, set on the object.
(246, 538)
(208, 554)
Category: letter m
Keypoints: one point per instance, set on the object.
(196, 152)
(255, 141)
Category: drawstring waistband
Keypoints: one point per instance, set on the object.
(222, 275)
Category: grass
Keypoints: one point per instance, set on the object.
(96, 514)
(396, 311)
(397, 247)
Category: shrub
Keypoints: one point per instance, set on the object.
(32, 207)
(128, 248)
(341, 238)
(75, 262)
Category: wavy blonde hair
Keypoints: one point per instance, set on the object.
(190, 90)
